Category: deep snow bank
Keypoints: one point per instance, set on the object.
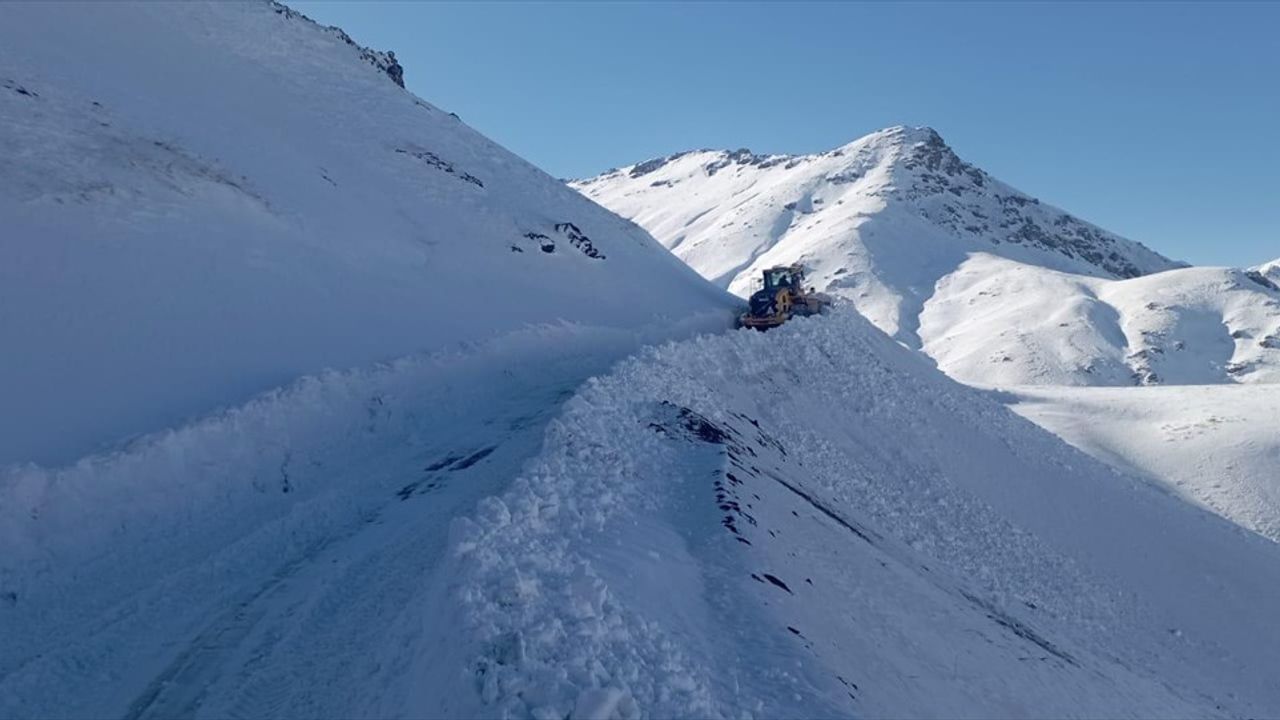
(111, 566)
(811, 523)
(202, 201)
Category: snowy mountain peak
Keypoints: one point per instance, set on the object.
(906, 138)
(922, 149)
(879, 220)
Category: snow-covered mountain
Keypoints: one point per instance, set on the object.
(1270, 270)
(879, 221)
(998, 322)
(201, 202)
(995, 286)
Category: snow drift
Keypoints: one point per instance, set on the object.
(205, 201)
(814, 523)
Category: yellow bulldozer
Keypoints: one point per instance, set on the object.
(782, 297)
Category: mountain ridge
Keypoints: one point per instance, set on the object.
(878, 220)
(255, 190)
(994, 285)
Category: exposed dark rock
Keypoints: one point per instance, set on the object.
(579, 240)
(648, 166)
(777, 582)
(11, 85)
(384, 61)
(744, 157)
(1261, 279)
(394, 70)
(433, 160)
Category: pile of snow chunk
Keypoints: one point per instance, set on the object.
(622, 564)
(167, 499)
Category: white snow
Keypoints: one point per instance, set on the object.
(813, 523)
(806, 522)
(1214, 445)
(205, 201)
(998, 322)
(250, 563)
(1270, 270)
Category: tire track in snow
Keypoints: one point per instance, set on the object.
(179, 688)
(286, 648)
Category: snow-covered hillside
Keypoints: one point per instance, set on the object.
(998, 322)
(879, 221)
(204, 201)
(1214, 445)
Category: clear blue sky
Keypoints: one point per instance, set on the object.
(1157, 121)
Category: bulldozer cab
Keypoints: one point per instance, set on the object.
(780, 277)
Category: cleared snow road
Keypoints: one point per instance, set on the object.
(292, 645)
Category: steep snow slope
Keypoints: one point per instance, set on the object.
(204, 201)
(879, 221)
(813, 523)
(1216, 446)
(998, 322)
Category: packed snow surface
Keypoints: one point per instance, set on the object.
(202, 201)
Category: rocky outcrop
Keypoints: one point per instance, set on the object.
(383, 61)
